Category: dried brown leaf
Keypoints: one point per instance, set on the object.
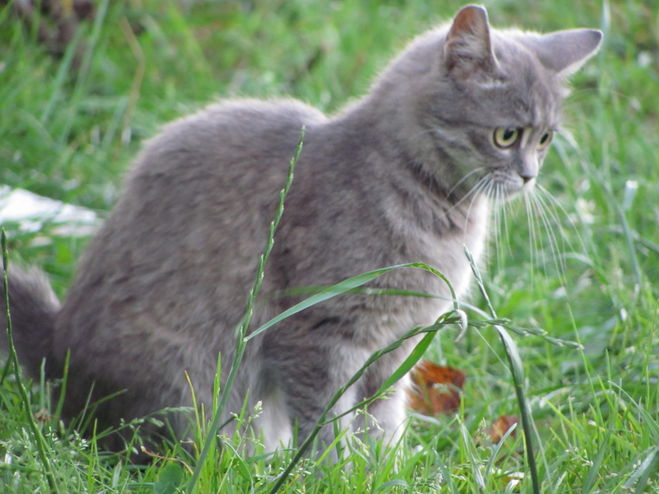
(435, 389)
(500, 426)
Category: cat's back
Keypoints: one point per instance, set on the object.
(237, 137)
(221, 164)
(210, 176)
(213, 178)
(193, 216)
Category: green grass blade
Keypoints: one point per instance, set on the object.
(596, 466)
(405, 367)
(468, 443)
(62, 391)
(647, 467)
(341, 288)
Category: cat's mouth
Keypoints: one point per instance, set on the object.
(503, 185)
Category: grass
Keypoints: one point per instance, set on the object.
(69, 130)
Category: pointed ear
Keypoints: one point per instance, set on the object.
(467, 48)
(565, 52)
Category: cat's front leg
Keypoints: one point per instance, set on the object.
(385, 417)
(308, 373)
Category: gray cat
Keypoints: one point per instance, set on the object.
(407, 173)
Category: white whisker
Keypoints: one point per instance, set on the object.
(475, 170)
(532, 235)
(474, 191)
(553, 241)
(493, 192)
(501, 221)
(557, 207)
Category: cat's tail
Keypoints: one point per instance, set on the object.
(33, 306)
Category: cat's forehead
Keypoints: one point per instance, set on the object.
(526, 91)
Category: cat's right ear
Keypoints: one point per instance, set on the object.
(467, 47)
(565, 52)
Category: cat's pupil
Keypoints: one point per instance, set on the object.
(508, 134)
(545, 139)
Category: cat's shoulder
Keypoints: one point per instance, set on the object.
(253, 132)
(221, 126)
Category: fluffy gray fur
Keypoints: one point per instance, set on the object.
(404, 174)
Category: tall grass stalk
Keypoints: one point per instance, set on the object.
(243, 327)
(517, 373)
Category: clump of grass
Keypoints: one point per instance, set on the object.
(36, 434)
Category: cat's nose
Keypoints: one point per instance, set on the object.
(528, 168)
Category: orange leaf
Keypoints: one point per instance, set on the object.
(500, 426)
(435, 389)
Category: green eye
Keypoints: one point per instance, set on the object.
(505, 137)
(545, 140)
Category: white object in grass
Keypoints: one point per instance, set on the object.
(31, 212)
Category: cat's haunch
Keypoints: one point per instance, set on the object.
(462, 118)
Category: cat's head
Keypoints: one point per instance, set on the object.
(487, 102)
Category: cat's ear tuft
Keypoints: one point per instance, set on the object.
(467, 48)
(565, 52)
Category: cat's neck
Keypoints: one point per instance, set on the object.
(407, 148)
(413, 184)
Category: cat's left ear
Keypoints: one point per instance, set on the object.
(565, 52)
(467, 47)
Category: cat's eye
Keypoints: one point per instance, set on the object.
(505, 137)
(545, 140)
